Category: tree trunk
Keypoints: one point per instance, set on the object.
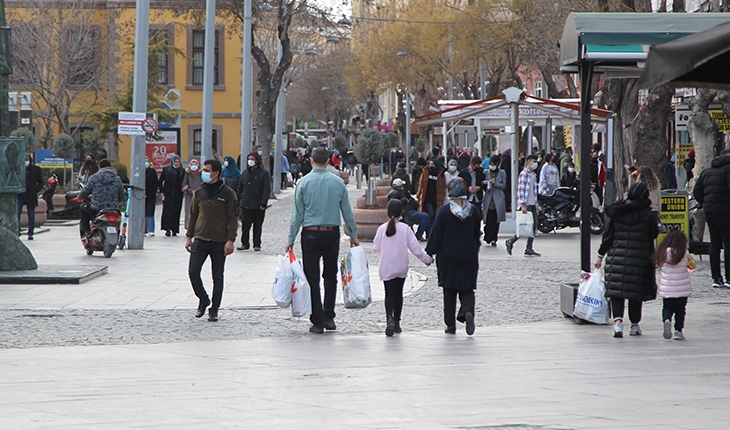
(702, 130)
(651, 144)
(622, 97)
(113, 146)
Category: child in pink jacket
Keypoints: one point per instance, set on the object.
(393, 240)
(675, 286)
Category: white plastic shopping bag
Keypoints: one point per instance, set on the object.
(591, 304)
(525, 224)
(355, 279)
(281, 291)
(301, 292)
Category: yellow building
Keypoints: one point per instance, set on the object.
(111, 36)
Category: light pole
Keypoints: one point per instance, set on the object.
(327, 120)
(206, 149)
(247, 93)
(408, 122)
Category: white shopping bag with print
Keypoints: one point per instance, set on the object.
(301, 293)
(525, 224)
(591, 304)
(281, 291)
(355, 279)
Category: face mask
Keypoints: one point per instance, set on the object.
(432, 171)
(260, 152)
(225, 164)
(452, 168)
(251, 163)
(539, 159)
(492, 167)
(533, 166)
(194, 167)
(205, 176)
(147, 164)
(27, 163)
(571, 170)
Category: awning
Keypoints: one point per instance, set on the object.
(616, 43)
(699, 60)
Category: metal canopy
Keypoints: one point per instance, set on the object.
(699, 60)
(611, 40)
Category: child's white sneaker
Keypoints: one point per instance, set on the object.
(667, 329)
(678, 335)
(635, 330)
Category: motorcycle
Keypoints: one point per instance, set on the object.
(48, 192)
(71, 209)
(559, 210)
(104, 233)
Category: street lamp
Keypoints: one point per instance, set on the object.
(344, 21)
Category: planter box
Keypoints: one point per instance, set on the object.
(368, 221)
(380, 202)
(40, 214)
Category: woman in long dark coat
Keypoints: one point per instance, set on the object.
(454, 239)
(171, 180)
(151, 184)
(628, 247)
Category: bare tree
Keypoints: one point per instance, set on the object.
(58, 55)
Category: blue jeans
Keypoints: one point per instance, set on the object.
(31, 215)
(424, 222)
(150, 228)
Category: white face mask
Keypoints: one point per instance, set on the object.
(27, 163)
(452, 168)
(260, 152)
(539, 159)
(492, 167)
(225, 164)
(571, 170)
(194, 167)
(251, 163)
(533, 166)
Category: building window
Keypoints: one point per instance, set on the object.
(196, 52)
(160, 55)
(538, 89)
(199, 55)
(198, 141)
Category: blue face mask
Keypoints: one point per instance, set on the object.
(205, 176)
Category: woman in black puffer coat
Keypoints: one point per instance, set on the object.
(628, 246)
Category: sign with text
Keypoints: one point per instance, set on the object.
(719, 117)
(162, 146)
(681, 117)
(674, 213)
(46, 160)
(130, 123)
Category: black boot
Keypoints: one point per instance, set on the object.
(212, 314)
(201, 308)
(390, 328)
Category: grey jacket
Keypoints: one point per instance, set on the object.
(105, 188)
(496, 194)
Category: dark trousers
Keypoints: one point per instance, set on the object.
(617, 308)
(676, 306)
(534, 228)
(394, 298)
(202, 249)
(86, 214)
(719, 226)
(466, 297)
(424, 223)
(430, 210)
(491, 226)
(31, 214)
(324, 245)
(251, 217)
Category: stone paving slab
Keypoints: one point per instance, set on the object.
(555, 375)
(53, 274)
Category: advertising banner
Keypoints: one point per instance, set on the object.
(162, 146)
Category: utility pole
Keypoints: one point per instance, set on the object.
(206, 147)
(247, 94)
(139, 143)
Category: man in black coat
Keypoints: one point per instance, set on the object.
(29, 199)
(712, 191)
(253, 191)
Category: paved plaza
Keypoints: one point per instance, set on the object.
(124, 351)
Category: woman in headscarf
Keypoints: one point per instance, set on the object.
(192, 182)
(452, 170)
(171, 179)
(494, 207)
(454, 239)
(628, 248)
(230, 174)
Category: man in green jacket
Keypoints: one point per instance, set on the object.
(213, 224)
(318, 201)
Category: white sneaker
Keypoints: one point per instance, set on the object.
(635, 330)
(152, 234)
(618, 327)
(667, 329)
(678, 335)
